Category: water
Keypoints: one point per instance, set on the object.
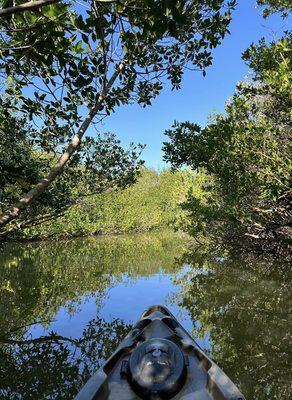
(65, 305)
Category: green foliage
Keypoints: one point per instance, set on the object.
(57, 369)
(58, 61)
(37, 279)
(152, 202)
(100, 164)
(246, 151)
(65, 66)
(272, 6)
(238, 303)
(19, 164)
(272, 64)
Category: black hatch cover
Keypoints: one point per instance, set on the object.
(157, 368)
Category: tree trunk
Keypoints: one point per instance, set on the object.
(64, 158)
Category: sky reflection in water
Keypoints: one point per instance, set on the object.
(237, 306)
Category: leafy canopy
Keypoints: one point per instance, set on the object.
(272, 6)
(101, 163)
(66, 66)
(247, 150)
(58, 60)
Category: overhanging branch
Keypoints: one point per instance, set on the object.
(29, 6)
(36, 191)
(32, 5)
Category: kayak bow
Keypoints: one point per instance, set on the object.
(159, 360)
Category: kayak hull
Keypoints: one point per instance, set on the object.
(199, 379)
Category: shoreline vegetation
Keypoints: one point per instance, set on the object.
(157, 201)
(229, 182)
(245, 154)
(152, 203)
(64, 77)
(68, 236)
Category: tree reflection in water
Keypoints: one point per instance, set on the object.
(240, 302)
(243, 304)
(53, 367)
(36, 280)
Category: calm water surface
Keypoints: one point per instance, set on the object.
(65, 305)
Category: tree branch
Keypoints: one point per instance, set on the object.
(29, 6)
(65, 157)
(18, 328)
(42, 339)
(32, 5)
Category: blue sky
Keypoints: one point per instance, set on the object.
(198, 96)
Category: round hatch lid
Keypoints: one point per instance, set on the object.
(157, 367)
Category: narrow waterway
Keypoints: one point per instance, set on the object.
(89, 291)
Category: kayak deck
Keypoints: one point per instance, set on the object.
(187, 374)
